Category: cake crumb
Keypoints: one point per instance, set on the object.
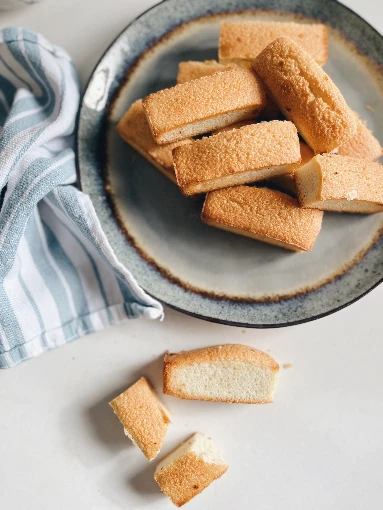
(370, 108)
(287, 365)
(244, 331)
(352, 195)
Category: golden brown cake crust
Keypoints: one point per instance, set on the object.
(264, 212)
(244, 40)
(142, 416)
(306, 95)
(363, 145)
(193, 69)
(252, 147)
(205, 98)
(187, 477)
(134, 130)
(217, 353)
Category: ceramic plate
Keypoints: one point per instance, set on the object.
(157, 233)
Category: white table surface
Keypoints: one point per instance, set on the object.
(319, 446)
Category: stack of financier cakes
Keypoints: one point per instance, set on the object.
(273, 118)
(222, 373)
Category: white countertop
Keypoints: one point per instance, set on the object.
(318, 447)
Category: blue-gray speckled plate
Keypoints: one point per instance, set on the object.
(157, 233)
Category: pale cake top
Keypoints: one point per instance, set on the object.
(306, 94)
(135, 130)
(246, 39)
(143, 417)
(264, 212)
(350, 178)
(363, 145)
(193, 69)
(251, 147)
(206, 97)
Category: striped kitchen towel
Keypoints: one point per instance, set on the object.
(59, 277)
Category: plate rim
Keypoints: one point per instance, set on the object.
(164, 302)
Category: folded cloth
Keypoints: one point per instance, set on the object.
(59, 277)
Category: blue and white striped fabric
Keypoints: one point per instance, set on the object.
(59, 277)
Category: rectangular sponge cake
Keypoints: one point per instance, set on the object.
(241, 41)
(340, 183)
(306, 95)
(204, 104)
(222, 373)
(248, 154)
(263, 214)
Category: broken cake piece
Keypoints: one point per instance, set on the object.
(190, 469)
(231, 373)
(144, 418)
